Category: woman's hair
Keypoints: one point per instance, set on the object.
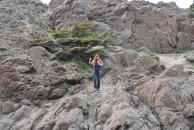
(94, 61)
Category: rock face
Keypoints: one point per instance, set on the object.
(76, 12)
(21, 18)
(139, 91)
(160, 27)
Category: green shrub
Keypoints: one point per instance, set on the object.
(80, 29)
(81, 33)
(42, 41)
(155, 56)
(90, 34)
(107, 36)
(78, 43)
(78, 49)
(79, 40)
(38, 40)
(140, 49)
(180, 51)
(191, 8)
(82, 66)
(83, 50)
(59, 33)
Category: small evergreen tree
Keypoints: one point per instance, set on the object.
(191, 8)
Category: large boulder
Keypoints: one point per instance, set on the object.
(58, 75)
(133, 59)
(169, 96)
(175, 71)
(39, 53)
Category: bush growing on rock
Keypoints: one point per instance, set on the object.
(191, 8)
(78, 53)
(79, 43)
(81, 29)
(155, 57)
(58, 33)
(42, 41)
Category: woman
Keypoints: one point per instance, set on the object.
(96, 64)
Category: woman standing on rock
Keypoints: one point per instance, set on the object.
(96, 64)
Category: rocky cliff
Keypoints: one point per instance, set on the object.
(45, 82)
(161, 28)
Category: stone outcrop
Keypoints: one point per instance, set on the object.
(75, 12)
(160, 27)
(139, 91)
(20, 19)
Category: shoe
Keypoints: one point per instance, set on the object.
(99, 90)
(95, 90)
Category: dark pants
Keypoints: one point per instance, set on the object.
(96, 79)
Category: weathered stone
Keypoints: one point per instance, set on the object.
(175, 71)
(74, 116)
(39, 53)
(75, 89)
(158, 94)
(101, 27)
(8, 107)
(7, 76)
(146, 61)
(76, 12)
(26, 102)
(104, 112)
(172, 120)
(57, 93)
(190, 58)
(183, 41)
(121, 8)
(73, 102)
(138, 93)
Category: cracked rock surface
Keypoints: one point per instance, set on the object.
(141, 90)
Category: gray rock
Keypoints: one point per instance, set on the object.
(104, 112)
(135, 94)
(121, 7)
(183, 40)
(26, 102)
(175, 71)
(23, 69)
(39, 53)
(1, 104)
(8, 107)
(17, 24)
(76, 12)
(190, 58)
(101, 27)
(10, 119)
(22, 112)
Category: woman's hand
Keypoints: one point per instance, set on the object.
(100, 62)
(90, 61)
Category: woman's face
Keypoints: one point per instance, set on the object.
(97, 57)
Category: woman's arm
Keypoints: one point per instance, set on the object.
(100, 62)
